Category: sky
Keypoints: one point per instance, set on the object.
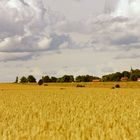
(58, 37)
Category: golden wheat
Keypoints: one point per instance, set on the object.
(53, 113)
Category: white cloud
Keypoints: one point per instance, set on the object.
(8, 42)
(27, 26)
(128, 8)
(44, 42)
(77, 38)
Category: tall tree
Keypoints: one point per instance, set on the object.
(23, 79)
(66, 78)
(16, 81)
(31, 79)
(46, 79)
(53, 79)
(126, 74)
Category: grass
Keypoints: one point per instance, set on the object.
(64, 112)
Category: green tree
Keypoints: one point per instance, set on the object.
(23, 80)
(16, 81)
(105, 78)
(31, 79)
(85, 78)
(134, 76)
(117, 76)
(79, 79)
(66, 78)
(136, 71)
(112, 77)
(46, 79)
(59, 80)
(53, 79)
(125, 74)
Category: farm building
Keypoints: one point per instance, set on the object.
(96, 80)
(138, 79)
(124, 79)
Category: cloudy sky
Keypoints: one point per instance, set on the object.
(57, 37)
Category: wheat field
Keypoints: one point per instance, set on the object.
(31, 112)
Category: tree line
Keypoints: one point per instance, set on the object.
(133, 75)
(63, 79)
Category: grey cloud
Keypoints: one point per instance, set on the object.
(134, 46)
(106, 33)
(126, 40)
(9, 27)
(120, 19)
(28, 29)
(4, 57)
(34, 43)
(24, 3)
(128, 56)
(58, 40)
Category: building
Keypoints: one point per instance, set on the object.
(96, 80)
(124, 79)
(138, 79)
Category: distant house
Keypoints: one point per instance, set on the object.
(138, 79)
(96, 80)
(124, 79)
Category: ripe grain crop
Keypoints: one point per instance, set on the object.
(31, 112)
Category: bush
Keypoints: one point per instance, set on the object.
(45, 84)
(117, 86)
(40, 82)
(79, 85)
